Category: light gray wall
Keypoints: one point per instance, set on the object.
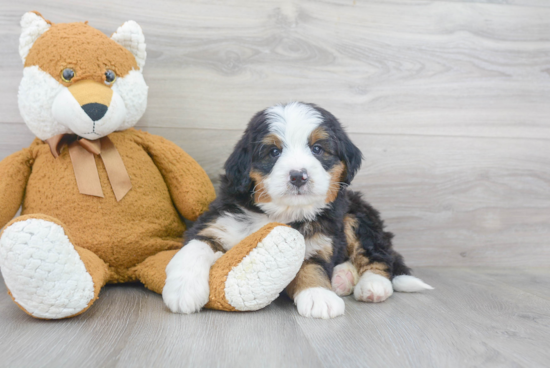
(448, 100)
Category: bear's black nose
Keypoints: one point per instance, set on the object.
(298, 178)
(95, 110)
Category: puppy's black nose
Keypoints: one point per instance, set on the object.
(298, 178)
(95, 110)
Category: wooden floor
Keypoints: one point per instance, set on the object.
(474, 317)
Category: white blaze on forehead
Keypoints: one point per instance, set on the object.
(293, 123)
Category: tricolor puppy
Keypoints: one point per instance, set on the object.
(293, 165)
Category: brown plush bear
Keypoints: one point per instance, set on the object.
(101, 201)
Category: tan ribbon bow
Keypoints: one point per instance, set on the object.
(82, 153)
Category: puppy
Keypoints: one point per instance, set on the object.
(293, 165)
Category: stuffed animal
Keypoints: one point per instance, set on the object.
(100, 201)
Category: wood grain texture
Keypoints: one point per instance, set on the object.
(472, 318)
(400, 67)
(448, 100)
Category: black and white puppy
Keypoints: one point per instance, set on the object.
(293, 165)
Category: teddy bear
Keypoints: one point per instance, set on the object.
(102, 202)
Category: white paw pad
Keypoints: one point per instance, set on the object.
(264, 273)
(43, 271)
(373, 288)
(319, 302)
(186, 289)
(344, 278)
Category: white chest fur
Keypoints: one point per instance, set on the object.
(230, 229)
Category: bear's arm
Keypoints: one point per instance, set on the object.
(14, 174)
(189, 185)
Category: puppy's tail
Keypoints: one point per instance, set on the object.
(404, 282)
(409, 284)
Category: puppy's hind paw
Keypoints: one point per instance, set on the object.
(344, 279)
(373, 288)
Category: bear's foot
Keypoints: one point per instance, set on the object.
(254, 272)
(43, 271)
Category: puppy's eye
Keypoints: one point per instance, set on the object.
(275, 152)
(110, 77)
(67, 74)
(317, 150)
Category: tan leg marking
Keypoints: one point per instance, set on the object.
(310, 275)
(357, 253)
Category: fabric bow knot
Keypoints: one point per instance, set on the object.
(82, 153)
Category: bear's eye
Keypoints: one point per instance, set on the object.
(110, 76)
(67, 74)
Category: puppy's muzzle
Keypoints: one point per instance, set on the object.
(298, 178)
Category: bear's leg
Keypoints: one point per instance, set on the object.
(152, 271)
(247, 277)
(46, 275)
(253, 273)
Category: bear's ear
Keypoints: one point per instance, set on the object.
(33, 25)
(131, 37)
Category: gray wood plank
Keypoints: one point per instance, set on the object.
(130, 327)
(532, 280)
(470, 319)
(430, 67)
(467, 321)
(510, 320)
(535, 3)
(267, 338)
(93, 339)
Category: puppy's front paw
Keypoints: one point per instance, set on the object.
(319, 302)
(185, 294)
(373, 288)
(186, 289)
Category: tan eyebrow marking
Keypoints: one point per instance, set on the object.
(273, 139)
(318, 134)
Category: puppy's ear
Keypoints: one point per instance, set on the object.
(351, 156)
(237, 167)
(348, 152)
